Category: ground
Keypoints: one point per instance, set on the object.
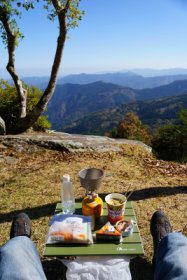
(31, 181)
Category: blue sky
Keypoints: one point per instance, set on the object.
(113, 35)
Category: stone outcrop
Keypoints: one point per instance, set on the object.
(66, 142)
(2, 127)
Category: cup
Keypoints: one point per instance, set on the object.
(91, 178)
(116, 206)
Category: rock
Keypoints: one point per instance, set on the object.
(2, 147)
(2, 127)
(67, 142)
(11, 160)
(2, 160)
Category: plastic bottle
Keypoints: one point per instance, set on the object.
(67, 193)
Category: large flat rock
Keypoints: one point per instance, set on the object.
(66, 142)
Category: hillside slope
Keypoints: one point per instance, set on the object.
(72, 102)
(152, 113)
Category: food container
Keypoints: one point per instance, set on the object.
(125, 227)
(92, 205)
(107, 234)
(116, 206)
(70, 229)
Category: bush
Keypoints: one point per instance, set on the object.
(170, 141)
(42, 124)
(132, 128)
(9, 104)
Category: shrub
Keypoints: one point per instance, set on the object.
(9, 103)
(42, 124)
(170, 141)
(132, 128)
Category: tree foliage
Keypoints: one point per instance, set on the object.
(9, 104)
(12, 9)
(42, 124)
(170, 141)
(131, 127)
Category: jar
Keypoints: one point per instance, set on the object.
(92, 205)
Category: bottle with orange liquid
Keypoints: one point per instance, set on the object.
(92, 205)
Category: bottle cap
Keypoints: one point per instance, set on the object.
(66, 178)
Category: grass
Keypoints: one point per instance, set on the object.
(33, 184)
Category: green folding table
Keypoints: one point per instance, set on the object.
(131, 245)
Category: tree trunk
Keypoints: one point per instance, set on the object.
(11, 44)
(22, 124)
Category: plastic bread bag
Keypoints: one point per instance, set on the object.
(70, 229)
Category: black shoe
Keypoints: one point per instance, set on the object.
(160, 227)
(21, 226)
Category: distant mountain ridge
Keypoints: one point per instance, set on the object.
(127, 79)
(72, 102)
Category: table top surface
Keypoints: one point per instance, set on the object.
(131, 245)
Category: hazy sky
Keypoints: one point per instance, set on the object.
(113, 35)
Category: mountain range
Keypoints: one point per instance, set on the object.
(73, 106)
(153, 113)
(127, 79)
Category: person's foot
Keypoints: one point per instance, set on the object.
(160, 227)
(21, 226)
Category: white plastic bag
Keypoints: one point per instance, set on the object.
(98, 268)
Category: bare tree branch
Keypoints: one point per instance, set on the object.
(57, 5)
(67, 5)
(57, 60)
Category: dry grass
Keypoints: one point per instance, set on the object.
(32, 185)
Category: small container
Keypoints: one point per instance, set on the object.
(125, 227)
(92, 205)
(107, 234)
(115, 210)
